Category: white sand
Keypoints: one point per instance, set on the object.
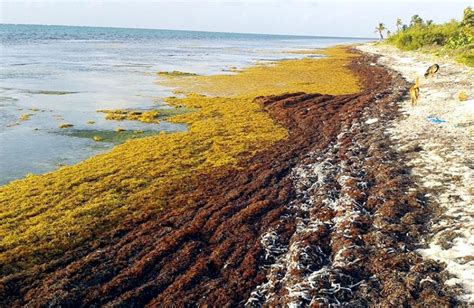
(445, 163)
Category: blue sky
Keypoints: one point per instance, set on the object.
(301, 17)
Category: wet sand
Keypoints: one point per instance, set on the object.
(330, 215)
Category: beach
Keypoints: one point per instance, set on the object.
(441, 156)
(319, 186)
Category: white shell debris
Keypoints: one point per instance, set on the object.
(372, 121)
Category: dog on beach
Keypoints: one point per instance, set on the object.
(415, 92)
(433, 69)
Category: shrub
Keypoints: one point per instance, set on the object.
(460, 39)
(452, 38)
(417, 36)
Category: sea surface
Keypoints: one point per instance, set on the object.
(51, 75)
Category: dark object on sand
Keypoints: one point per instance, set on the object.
(433, 69)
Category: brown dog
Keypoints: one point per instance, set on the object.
(415, 92)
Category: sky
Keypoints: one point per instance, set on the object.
(356, 18)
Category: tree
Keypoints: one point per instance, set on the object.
(380, 29)
(429, 22)
(398, 24)
(416, 20)
(468, 19)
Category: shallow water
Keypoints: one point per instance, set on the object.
(65, 74)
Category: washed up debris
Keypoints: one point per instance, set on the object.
(97, 138)
(90, 122)
(435, 120)
(65, 125)
(371, 121)
(462, 96)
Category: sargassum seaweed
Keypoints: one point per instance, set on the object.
(41, 217)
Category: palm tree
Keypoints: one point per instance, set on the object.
(399, 23)
(416, 20)
(380, 29)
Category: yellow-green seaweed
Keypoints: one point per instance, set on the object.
(43, 216)
(327, 75)
(176, 74)
(26, 116)
(150, 116)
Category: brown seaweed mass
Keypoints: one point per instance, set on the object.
(206, 249)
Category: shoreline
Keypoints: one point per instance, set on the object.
(314, 217)
(103, 70)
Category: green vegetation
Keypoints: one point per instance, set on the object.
(164, 114)
(454, 38)
(116, 136)
(380, 29)
(150, 116)
(146, 116)
(176, 74)
(399, 23)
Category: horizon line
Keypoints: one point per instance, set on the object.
(185, 30)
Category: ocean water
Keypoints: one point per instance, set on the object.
(60, 74)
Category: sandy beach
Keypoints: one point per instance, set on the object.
(440, 156)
